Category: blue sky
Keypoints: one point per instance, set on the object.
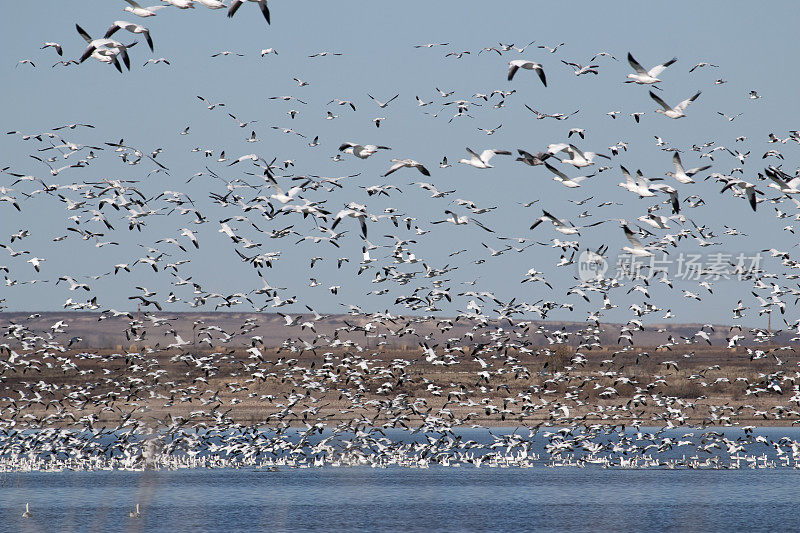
(151, 105)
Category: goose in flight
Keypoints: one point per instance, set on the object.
(140, 11)
(490, 131)
(673, 112)
(131, 27)
(287, 197)
(400, 163)
(748, 188)
(156, 61)
(636, 248)
(235, 4)
(352, 212)
(516, 64)
(564, 179)
(640, 185)
(361, 152)
(55, 46)
(382, 105)
(105, 50)
(683, 175)
(646, 77)
(549, 49)
(577, 158)
(532, 159)
(730, 118)
(482, 160)
(460, 221)
(701, 65)
(785, 186)
(286, 98)
(669, 190)
(430, 45)
(581, 69)
(323, 53)
(561, 226)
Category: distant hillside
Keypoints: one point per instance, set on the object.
(88, 330)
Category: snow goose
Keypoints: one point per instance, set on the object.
(581, 69)
(646, 77)
(400, 163)
(748, 188)
(516, 64)
(561, 226)
(105, 50)
(701, 65)
(156, 61)
(56, 46)
(640, 186)
(361, 152)
(382, 105)
(482, 160)
(352, 211)
(683, 175)
(532, 159)
(671, 191)
(636, 248)
(673, 112)
(785, 186)
(577, 158)
(460, 221)
(564, 179)
(131, 27)
(140, 11)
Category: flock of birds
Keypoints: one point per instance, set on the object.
(334, 397)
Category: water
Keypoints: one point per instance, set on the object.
(405, 499)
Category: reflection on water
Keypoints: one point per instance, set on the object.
(401, 499)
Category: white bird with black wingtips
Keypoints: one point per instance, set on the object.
(516, 64)
(482, 160)
(646, 77)
(673, 112)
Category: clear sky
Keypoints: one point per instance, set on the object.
(151, 105)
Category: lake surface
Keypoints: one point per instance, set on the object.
(405, 499)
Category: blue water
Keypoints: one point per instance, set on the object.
(402, 499)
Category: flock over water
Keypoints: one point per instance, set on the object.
(434, 364)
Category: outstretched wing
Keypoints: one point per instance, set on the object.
(683, 105)
(235, 5)
(635, 64)
(658, 69)
(264, 9)
(635, 242)
(394, 167)
(83, 34)
(555, 171)
(512, 69)
(540, 72)
(659, 101)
